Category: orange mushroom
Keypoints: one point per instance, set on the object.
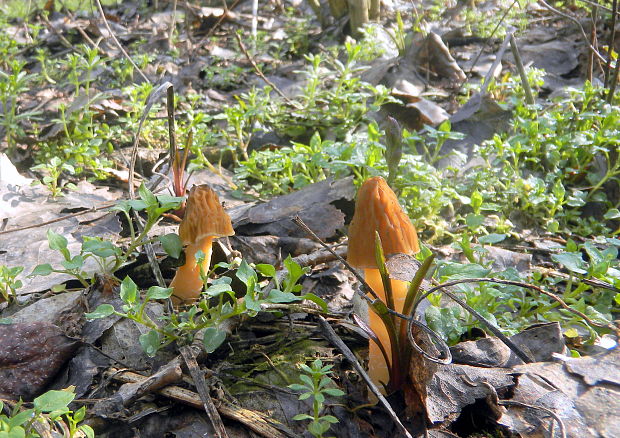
(377, 209)
(204, 220)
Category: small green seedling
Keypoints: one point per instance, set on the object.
(317, 384)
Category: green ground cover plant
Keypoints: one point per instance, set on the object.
(555, 171)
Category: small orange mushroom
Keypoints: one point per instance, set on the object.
(377, 209)
(204, 220)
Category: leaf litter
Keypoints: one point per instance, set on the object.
(454, 398)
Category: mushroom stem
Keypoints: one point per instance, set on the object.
(378, 369)
(187, 283)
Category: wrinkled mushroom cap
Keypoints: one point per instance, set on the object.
(377, 209)
(204, 216)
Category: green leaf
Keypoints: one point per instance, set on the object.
(147, 196)
(129, 291)
(491, 238)
(150, 342)
(213, 338)
(88, 431)
(301, 417)
(333, 392)
(122, 206)
(79, 414)
(169, 202)
(20, 418)
(17, 432)
(295, 271)
(266, 270)
(217, 289)
(316, 300)
(159, 293)
(612, 213)
(473, 221)
(53, 400)
(100, 248)
(42, 270)
(456, 271)
(137, 204)
(571, 261)
(75, 263)
(307, 380)
(277, 296)
(172, 244)
(56, 241)
(245, 273)
(103, 311)
(476, 201)
(317, 428)
(297, 387)
(445, 322)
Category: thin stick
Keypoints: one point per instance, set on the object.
(260, 73)
(203, 391)
(612, 39)
(300, 223)
(150, 101)
(593, 40)
(495, 330)
(171, 128)
(486, 43)
(118, 44)
(529, 98)
(58, 219)
(204, 39)
(332, 337)
(498, 59)
(574, 20)
(173, 23)
(528, 286)
(552, 414)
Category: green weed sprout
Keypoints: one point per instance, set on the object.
(9, 283)
(316, 383)
(107, 255)
(51, 408)
(54, 169)
(219, 303)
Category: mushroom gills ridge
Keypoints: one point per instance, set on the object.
(204, 220)
(377, 211)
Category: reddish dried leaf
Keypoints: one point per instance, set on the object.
(30, 356)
